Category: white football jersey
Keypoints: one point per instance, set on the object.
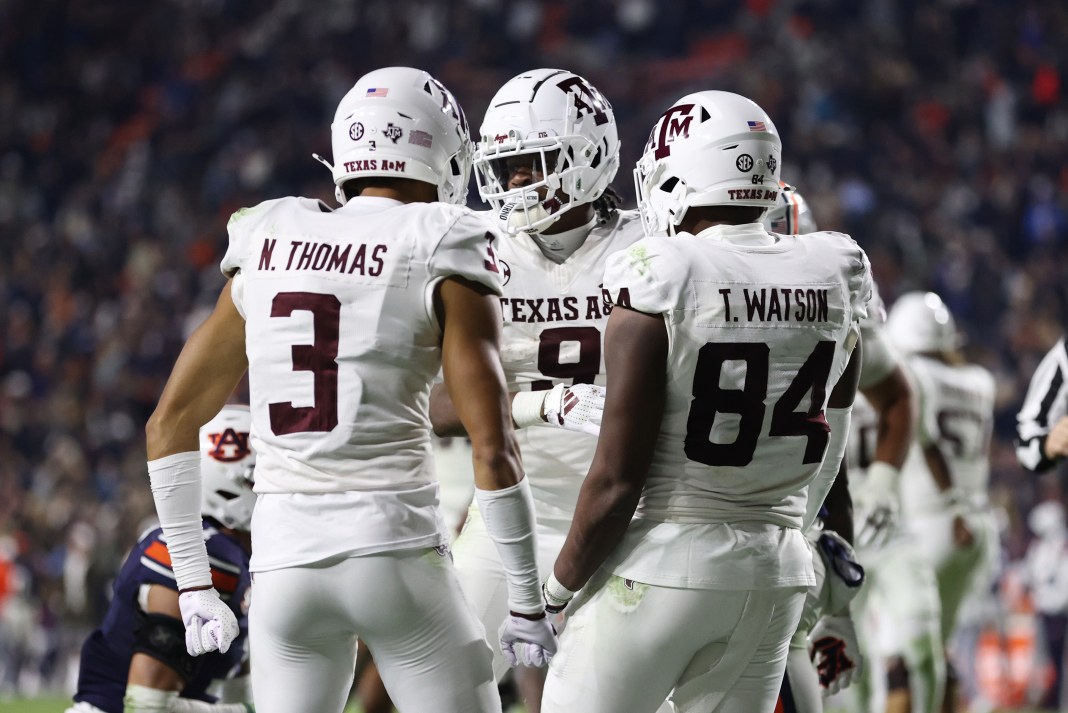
(760, 329)
(342, 339)
(957, 415)
(343, 345)
(554, 321)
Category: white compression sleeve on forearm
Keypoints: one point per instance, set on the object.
(838, 420)
(142, 699)
(176, 489)
(191, 705)
(509, 518)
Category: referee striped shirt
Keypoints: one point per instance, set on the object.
(1046, 403)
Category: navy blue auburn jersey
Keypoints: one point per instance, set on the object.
(106, 654)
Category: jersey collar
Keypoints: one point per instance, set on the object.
(370, 202)
(752, 234)
(558, 247)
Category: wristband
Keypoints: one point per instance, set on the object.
(557, 596)
(527, 408)
(884, 475)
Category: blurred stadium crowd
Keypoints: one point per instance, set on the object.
(933, 131)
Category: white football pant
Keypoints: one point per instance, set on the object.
(628, 644)
(408, 608)
(959, 572)
(901, 616)
(803, 680)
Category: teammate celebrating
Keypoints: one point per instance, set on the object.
(880, 435)
(885, 389)
(944, 483)
(547, 154)
(342, 319)
(138, 654)
(731, 371)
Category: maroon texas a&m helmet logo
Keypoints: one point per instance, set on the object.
(229, 446)
(587, 99)
(674, 123)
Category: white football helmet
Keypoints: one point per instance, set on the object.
(226, 468)
(921, 322)
(558, 120)
(791, 215)
(400, 122)
(710, 148)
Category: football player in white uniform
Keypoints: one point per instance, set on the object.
(731, 371)
(826, 636)
(947, 514)
(883, 384)
(342, 319)
(547, 154)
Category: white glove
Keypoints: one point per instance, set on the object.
(575, 408)
(876, 505)
(209, 624)
(832, 646)
(527, 642)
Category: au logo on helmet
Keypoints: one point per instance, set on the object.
(229, 446)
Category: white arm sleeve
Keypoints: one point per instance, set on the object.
(509, 518)
(190, 705)
(838, 420)
(176, 490)
(142, 699)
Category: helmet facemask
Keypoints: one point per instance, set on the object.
(571, 155)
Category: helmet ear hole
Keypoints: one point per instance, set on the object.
(227, 495)
(669, 185)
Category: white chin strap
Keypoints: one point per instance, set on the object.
(339, 194)
(519, 213)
